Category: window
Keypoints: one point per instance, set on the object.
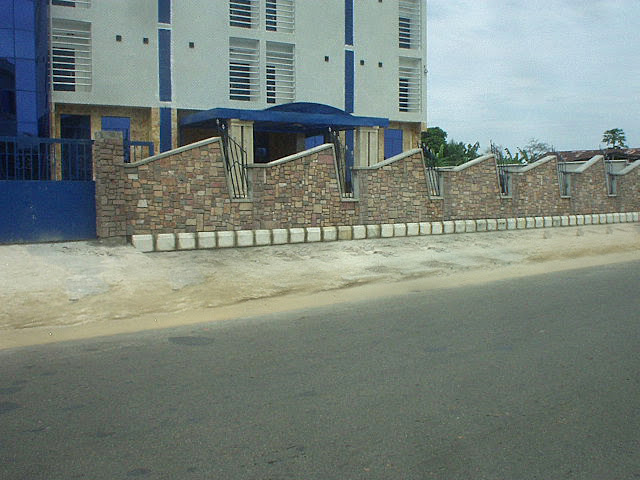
(409, 85)
(71, 55)
(281, 86)
(409, 24)
(243, 13)
(280, 15)
(244, 83)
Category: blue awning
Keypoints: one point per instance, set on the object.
(290, 117)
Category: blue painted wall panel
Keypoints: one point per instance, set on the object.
(164, 64)
(164, 11)
(392, 142)
(165, 129)
(47, 211)
(348, 22)
(349, 81)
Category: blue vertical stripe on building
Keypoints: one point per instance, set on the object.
(349, 80)
(164, 64)
(165, 129)
(348, 22)
(164, 11)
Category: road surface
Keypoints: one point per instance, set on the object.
(528, 378)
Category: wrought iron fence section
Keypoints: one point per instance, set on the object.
(235, 159)
(612, 178)
(564, 179)
(346, 186)
(34, 158)
(138, 150)
(434, 176)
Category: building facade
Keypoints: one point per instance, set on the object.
(144, 67)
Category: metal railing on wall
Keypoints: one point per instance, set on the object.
(235, 160)
(564, 179)
(137, 150)
(344, 179)
(612, 183)
(34, 158)
(434, 176)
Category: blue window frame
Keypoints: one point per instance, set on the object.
(392, 142)
(165, 129)
(164, 11)
(314, 141)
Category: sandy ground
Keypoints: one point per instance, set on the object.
(62, 291)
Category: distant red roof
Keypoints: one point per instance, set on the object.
(630, 154)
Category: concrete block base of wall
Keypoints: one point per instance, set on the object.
(165, 242)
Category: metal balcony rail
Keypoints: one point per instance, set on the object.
(34, 158)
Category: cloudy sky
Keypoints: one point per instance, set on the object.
(560, 71)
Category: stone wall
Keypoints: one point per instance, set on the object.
(186, 191)
(395, 191)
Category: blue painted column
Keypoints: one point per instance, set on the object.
(165, 73)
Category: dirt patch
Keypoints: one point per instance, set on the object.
(70, 290)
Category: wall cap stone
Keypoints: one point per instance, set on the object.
(533, 165)
(589, 164)
(175, 151)
(473, 162)
(293, 157)
(390, 160)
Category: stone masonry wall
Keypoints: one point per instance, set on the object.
(473, 192)
(396, 193)
(186, 190)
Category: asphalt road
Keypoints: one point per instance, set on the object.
(535, 378)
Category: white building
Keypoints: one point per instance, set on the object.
(146, 66)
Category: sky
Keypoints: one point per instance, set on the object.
(559, 71)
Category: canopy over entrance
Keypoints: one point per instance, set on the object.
(301, 117)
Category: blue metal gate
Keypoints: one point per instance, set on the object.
(47, 192)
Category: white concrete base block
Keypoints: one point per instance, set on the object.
(512, 224)
(425, 228)
(548, 222)
(386, 230)
(226, 239)
(345, 232)
(573, 220)
(470, 226)
(399, 229)
(314, 234)
(636, 216)
(359, 232)
(186, 241)
(616, 218)
(603, 218)
(502, 223)
(142, 243)
(564, 221)
(521, 223)
(588, 219)
(280, 236)
(579, 219)
(595, 219)
(481, 225)
(296, 235)
(492, 225)
(530, 222)
(244, 238)
(460, 226)
(413, 229)
(629, 217)
(206, 240)
(329, 234)
(448, 226)
(373, 231)
(263, 237)
(437, 228)
(556, 221)
(165, 242)
(539, 222)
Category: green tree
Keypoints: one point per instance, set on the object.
(448, 153)
(615, 138)
(434, 138)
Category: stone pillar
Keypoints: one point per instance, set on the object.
(242, 132)
(111, 207)
(366, 147)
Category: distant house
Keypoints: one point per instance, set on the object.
(628, 154)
